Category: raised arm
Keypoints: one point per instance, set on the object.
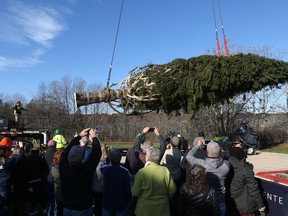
(96, 148)
(190, 157)
(162, 147)
(139, 139)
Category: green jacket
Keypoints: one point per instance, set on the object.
(153, 187)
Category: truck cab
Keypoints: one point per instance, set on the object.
(38, 137)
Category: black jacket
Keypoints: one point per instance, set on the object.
(49, 155)
(76, 179)
(242, 187)
(133, 162)
(204, 204)
(37, 168)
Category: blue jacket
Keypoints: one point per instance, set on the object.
(117, 188)
(6, 171)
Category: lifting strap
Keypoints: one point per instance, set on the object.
(216, 30)
(222, 25)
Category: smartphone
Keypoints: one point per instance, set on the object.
(97, 130)
(151, 129)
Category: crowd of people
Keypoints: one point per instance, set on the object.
(84, 177)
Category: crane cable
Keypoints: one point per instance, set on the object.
(216, 30)
(115, 43)
(222, 26)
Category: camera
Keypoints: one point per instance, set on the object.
(97, 130)
(151, 129)
(183, 142)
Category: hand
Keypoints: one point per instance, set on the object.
(93, 133)
(238, 145)
(169, 146)
(21, 144)
(156, 131)
(146, 130)
(84, 132)
(262, 209)
(82, 144)
(200, 143)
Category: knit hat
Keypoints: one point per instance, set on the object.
(115, 156)
(237, 152)
(6, 141)
(75, 155)
(175, 141)
(51, 143)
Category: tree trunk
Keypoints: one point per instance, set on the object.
(106, 95)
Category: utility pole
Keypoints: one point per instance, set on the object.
(286, 85)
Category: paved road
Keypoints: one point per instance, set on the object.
(266, 161)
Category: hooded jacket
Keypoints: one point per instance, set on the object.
(216, 171)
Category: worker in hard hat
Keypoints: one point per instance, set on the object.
(17, 111)
(59, 139)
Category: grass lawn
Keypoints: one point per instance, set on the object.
(123, 144)
(119, 144)
(282, 148)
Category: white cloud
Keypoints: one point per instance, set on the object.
(38, 52)
(17, 63)
(33, 26)
(41, 24)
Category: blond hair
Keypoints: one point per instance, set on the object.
(104, 152)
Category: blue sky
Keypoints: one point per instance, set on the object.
(45, 40)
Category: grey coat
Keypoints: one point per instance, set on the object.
(57, 183)
(216, 171)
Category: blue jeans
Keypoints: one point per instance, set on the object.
(4, 203)
(108, 213)
(222, 207)
(58, 210)
(4, 209)
(50, 198)
(85, 212)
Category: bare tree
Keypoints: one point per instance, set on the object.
(79, 84)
